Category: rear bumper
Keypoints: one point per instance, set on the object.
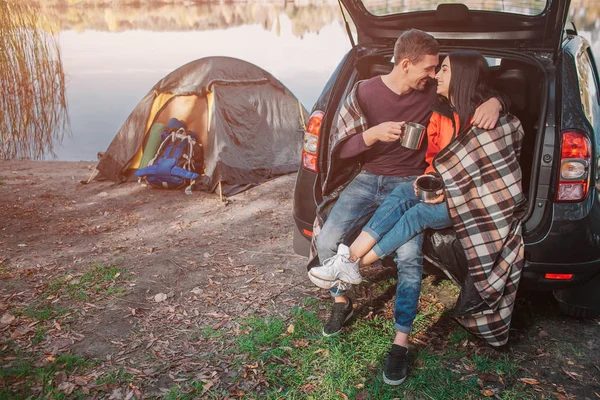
(302, 241)
(533, 276)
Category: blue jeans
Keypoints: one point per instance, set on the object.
(401, 217)
(355, 206)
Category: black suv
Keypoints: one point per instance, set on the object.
(549, 74)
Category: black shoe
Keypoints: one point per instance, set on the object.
(395, 368)
(340, 314)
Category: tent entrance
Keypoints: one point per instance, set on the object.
(192, 109)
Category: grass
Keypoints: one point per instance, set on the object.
(4, 271)
(178, 392)
(98, 279)
(116, 377)
(42, 311)
(19, 376)
(300, 363)
(27, 374)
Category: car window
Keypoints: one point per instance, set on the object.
(389, 7)
(588, 85)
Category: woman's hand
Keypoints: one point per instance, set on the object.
(438, 199)
(486, 115)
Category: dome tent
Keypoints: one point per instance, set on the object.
(250, 125)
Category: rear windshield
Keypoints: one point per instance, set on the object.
(389, 7)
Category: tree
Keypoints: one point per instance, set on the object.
(33, 104)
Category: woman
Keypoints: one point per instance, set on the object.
(462, 86)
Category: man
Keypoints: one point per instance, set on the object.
(368, 127)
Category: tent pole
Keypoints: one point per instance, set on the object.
(220, 191)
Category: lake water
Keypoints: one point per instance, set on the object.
(112, 57)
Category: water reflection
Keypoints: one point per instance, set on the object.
(162, 16)
(114, 52)
(33, 108)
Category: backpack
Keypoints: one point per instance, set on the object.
(176, 160)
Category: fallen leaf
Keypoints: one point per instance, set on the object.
(301, 343)
(324, 351)
(573, 375)
(60, 377)
(117, 275)
(529, 381)
(570, 362)
(7, 318)
(290, 329)
(307, 388)
(117, 394)
(80, 380)
(160, 297)
(207, 386)
(66, 387)
(488, 392)
(344, 396)
(197, 291)
(487, 377)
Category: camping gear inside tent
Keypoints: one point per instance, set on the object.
(250, 126)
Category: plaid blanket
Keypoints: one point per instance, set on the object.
(485, 201)
(350, 121)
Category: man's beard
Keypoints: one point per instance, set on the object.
(425, 83)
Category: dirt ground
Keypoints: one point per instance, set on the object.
(194, 264)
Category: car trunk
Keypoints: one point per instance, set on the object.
(521, 79)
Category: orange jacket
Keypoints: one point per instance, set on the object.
(440, 131)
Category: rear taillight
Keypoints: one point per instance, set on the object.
(310, 148)
(559, 277)
(573, 181)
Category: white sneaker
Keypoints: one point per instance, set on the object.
(338, 267)
(342, 286)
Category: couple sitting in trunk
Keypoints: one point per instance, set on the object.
(472, 150)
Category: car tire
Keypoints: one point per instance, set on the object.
(576, 311)
(581, 301)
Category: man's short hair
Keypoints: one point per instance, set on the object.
(414, 45)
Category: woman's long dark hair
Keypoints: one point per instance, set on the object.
(469, 85)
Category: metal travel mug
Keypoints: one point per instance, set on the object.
(428, 186)
(413, 135)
